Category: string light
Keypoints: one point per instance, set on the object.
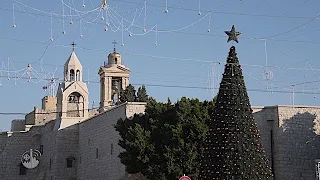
(71, 22)
(13, 17)
(209, 26)
(199, 11)
(51, 35)
(145, 17)
(156, 42)
(80, 25)
(63, 31)
(267, 74)
(122, 43)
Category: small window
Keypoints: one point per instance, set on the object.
(97, 153)
(70, 162)
(72, 75)
(23, 170)
(50, 162)
(78, 75)
(41, 149)
(111, 152)
(115, 60)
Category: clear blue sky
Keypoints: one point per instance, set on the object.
(186, 54)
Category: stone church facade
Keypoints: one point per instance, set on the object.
(75, 142)
(78, 143)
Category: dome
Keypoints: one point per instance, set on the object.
(114, 58)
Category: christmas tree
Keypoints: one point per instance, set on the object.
(232, 149)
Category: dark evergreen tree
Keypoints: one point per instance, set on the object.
(164, 143)
(232, 149)
(128, 95)
(142, 94)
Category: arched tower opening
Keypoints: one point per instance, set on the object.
(75, 106)
(71, 75)
(78, 75)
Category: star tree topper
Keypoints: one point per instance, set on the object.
(233, 34)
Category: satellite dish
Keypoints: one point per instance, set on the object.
(29, 159)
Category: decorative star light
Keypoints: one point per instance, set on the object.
(233, 34)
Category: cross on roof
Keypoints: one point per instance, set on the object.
(73, 45)
(114, 45)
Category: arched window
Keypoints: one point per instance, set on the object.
(74, 97)
(115, 60)
(71, 75)
(75, 107)
(78, 75)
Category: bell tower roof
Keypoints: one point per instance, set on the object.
(73, 67)
(73, 61)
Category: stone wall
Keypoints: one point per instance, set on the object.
(55, 146)
(30, 117)
(48, 142)
(18, 125)
(135, 108)
(92, 146)
(10, 156)
(296, 143)
(290, 138)
(67, 143)
(40, 116)
(49, 103)
(98, 144)
(265, 118)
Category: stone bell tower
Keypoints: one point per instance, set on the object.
(114, 77)
(72, 94)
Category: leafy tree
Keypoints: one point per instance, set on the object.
(128, 95)
(142, 95)
(232, 149)
(165, 142)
